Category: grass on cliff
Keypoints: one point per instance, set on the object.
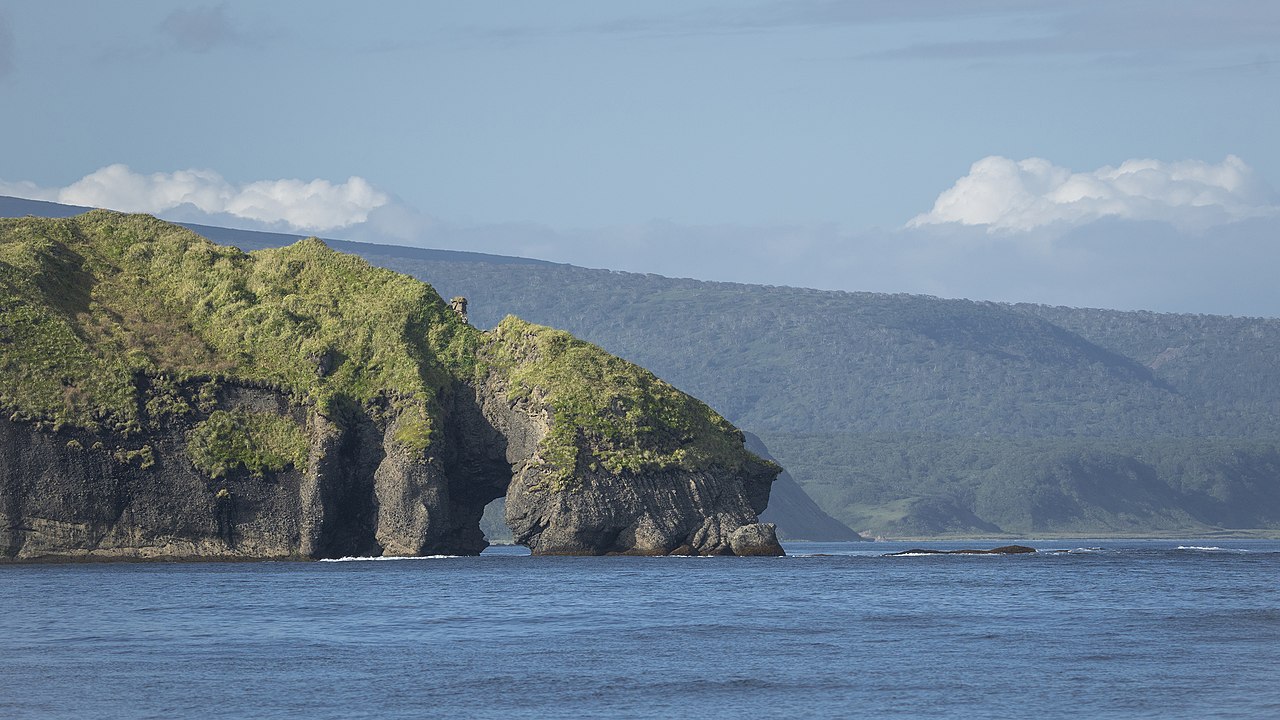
(629, 420)
(252, 441)
(90, 304)
(115, 322)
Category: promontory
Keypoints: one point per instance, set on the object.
(166, 397)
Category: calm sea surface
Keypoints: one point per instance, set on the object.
(1123, 629)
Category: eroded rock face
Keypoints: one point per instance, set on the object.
(72, 495)
(655, 513)
(77, 495)
(659, 514)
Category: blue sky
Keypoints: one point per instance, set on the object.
(1116, 153)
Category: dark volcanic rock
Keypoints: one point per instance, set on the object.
(1012, 550)
(759, 539)
(69, 495)
(1002, 550)
(656, 513)
(77, 495)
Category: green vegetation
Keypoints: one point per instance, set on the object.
(629, 419)
(121, 323)
(143, 457)
(252, 441)
(106, 316)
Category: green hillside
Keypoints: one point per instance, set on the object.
(914, 416)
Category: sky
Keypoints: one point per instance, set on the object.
(1114, 154)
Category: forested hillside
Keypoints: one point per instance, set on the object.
(909, 415)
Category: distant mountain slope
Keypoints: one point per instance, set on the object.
(797, 516)
(1210, 358)
(912, 415)
(20, 207)
(789, 359)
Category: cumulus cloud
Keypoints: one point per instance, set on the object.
(313, 206)
(1009, 195)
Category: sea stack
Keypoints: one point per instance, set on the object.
(166, 397)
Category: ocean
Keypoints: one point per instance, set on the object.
(1112, 629)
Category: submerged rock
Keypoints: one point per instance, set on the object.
(1002, 550)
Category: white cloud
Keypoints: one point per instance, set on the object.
(314, 206)
(1008, 195)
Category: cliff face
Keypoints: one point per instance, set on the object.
(166, 397)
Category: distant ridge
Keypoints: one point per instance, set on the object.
(21, 207)
(797, 516)
(260, 239)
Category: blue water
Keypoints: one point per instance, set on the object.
(1132, 629)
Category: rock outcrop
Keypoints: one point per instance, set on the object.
(1002, 550)
(164, 397)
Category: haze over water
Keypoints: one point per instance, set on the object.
(1124, 629)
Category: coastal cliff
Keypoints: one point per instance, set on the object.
(166, 397)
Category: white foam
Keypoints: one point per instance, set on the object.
(1210, 548)
(846, 553)
(914, 554)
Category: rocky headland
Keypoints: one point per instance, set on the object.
(166, 397)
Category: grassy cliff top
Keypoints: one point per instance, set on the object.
(90, 304)
(632, 420)
(108, 322)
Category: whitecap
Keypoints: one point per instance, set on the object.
(840, 554)
(1210, 548)
(915, 554)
